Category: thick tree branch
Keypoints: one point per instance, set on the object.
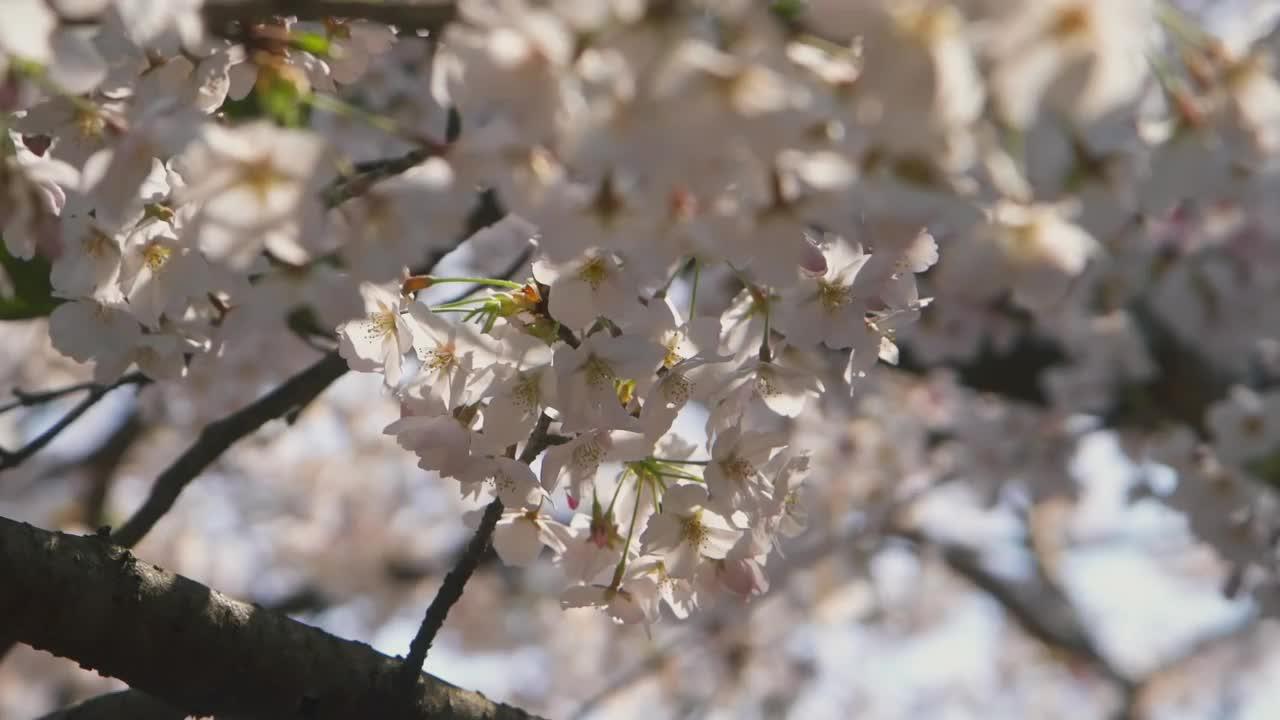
(194, 648)
(406, 16)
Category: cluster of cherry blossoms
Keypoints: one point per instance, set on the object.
(862, 176)
(662, 525)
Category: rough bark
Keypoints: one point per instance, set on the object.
(194, 648)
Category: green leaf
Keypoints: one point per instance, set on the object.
(274, 98)
(310, 42)
(32, 295)
(279, 99)
(246, 108)
(789, 10)
(1266, 468)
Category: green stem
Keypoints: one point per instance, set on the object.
(1182, 26)
(766, 353)
(635, 513)
(464, 304)
(693, 294)
(339, 106)
(451, 309)
(616, 491)
(492, 282)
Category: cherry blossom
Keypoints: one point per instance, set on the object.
(249, 181)
(521, 534)
(379, 342)
(735, 477)
(687, 532)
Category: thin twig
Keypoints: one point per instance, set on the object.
(222, 434)
(28, 399)
(455, 582)
(372, 173)
(544, 310)
(13, 458)
(449, 594)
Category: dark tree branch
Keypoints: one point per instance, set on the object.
(216, 437)
(455, 582)
(406, 16)
(1185, 384)
(449, 594)
(1014, 375)
(13, 458)
(193, 648)
(369, 174)
(27, 399)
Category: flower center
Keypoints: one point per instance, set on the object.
(599, 373)
(766, 385)
(672, 357)
(442, 358)
(693, 531)
(382, 324)
(89, 123)
(738, 469)
(587, 456)
(156, 255)
(260, 175)
(833, 296)
(1025, 241)
(502, 482)
(594, 272)
(1070, 22)
(526, 394)
(97, 243)
(676, 388)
